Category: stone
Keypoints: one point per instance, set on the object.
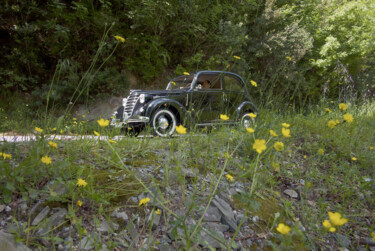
(107, 227)
(342, 240)
(42, 214)
(57, 188)
(53, 221)
(86, 243)
(155, 197)
(120, 215)
(208, 241)
(36, 207)
(8, 209)
(8, 243)
(133, 232)
(154, 219)
(226, 213)
(239, 219)
(2, 207)
(291, 193)
(212, 214)
(216, 227)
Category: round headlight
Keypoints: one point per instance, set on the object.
(142, 98)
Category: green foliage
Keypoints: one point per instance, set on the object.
(294, 49)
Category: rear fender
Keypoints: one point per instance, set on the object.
(245, 107)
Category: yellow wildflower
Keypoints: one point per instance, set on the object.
(336, 219)
(283, 229)
(180, 129)
(252, 115)
(96, 133)
(285, 125)
(52, 144)
(285, 132)
(373, 237)
(111, 141)
(250, 130)
(224, 117)
(348, 118)
(273, 133)
(228, 65)
(81, 183)
(79, 203)
(343, 106)
(186, 73)
(288, 58)
(54, 129)
(120, 39)
(331, 124)
(158, 212)
(229, 177)
(279, 146)
(46, 160)
(173, 83)
(321, 151)
(371, 147)
(354, 159)
(38, 130)
(259, 145)
(103, 122)
(328, 110)
(253, 83)
(304, 156)
(327, 224)
(144, 201)
(5, 156)
(237, 57)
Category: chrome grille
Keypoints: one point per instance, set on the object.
(130, 102)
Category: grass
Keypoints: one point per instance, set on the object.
(331, 169)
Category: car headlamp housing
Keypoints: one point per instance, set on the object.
(142, 98)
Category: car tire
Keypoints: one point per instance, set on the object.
(247, 121)
(163, 122)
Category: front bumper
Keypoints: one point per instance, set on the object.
(128, 121)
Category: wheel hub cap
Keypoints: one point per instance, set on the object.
(163, 123)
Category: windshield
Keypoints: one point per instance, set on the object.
(181, 82)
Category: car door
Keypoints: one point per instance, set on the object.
(233, 92)
(207, 98)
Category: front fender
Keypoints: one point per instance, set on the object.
(171, 104)
(245, 107)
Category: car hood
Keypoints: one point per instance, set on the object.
(160, 92)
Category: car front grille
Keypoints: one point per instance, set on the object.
(130, 102)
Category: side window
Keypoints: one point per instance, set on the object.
(232, 84)
(208, 81)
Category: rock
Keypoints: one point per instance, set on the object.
(291, 193)
(23, 207)
(8, 209)
(342, 240)
(8, 243)
(107, 226)
(133, 232)
(226, 213)
(212, 214)
(239, 219)
(42, 214)
(53, 221)
(154, 219)
(2, 207)
(86, 243)
(56, 188)
(36, 207)
(207, 241)
(120, 215)
(216, 227)
(155, 197)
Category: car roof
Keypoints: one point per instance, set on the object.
(219, 72)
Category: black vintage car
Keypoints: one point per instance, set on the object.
(193, 99)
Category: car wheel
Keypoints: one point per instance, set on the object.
(163, 123)
(247, 121)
